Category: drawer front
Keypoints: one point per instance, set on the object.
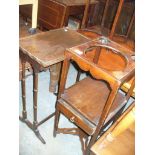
(50, 14)
(76, 118)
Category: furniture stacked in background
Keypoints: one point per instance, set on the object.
(122, 38)
(55, 9)
(105, 14)
(94, 102)
(119, 139)
(58, 11)
(54, 14)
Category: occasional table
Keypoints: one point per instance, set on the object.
(44, 50)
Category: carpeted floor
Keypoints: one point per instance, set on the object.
(61, 145)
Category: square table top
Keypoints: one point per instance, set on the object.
(47, 48)
(115, 61)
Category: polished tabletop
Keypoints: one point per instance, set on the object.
(48, 48)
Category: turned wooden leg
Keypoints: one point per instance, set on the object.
(54, 76)
(35, 94)
(35, 97)
(56, 121)
(24, 112)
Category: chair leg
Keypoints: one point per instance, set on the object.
(56, 121)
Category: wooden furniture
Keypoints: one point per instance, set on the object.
(99, 30)
(94, 101)
(54, 14)
(119, 139)
(121, 39)
(44, 50)
(124, 38)
(92, 35)
(34, 3)
(126, 86)
(23, 32)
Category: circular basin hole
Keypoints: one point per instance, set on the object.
(109, 59)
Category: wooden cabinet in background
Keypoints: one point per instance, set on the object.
(55, 13)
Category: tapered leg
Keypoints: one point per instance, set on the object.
(56, 121)
(24, 112)
(54, 76)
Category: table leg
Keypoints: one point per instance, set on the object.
(54, 76)
(33, 126)
(35, 95)
(24, 112)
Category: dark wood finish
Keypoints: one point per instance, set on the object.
(94, 101)
(23, 32)
(88, 33)
(43, 51)
(121, 39)
(54, 16)
(116, 18)
(54, 69)
(124, 38)
(57, 12)
(54, 72)
(96, 31)
(85, 16)
(119, 139)
(47, 48)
